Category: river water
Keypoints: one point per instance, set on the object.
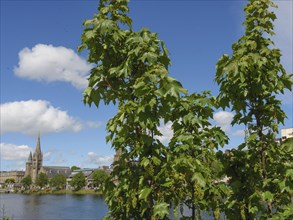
(57, 207)
(52, 207)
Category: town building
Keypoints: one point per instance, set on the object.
(34, 162)
(286, 133)
(15, 175)
(53, 170)
(34, 165)
(88, 174)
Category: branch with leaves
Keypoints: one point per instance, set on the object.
(249, 81)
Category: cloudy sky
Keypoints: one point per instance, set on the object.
(43, 75)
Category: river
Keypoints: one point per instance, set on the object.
(52, 207)
(57, 207)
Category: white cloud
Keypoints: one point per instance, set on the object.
(49, 63)
(166, 131)
(59, 159)
(239, 133)
(47, 155)
(14, 152)
(54, 156)
(224, 119)
(33, 116)
(92, 124)
(13, 165)
(99, 160)
(14, 157)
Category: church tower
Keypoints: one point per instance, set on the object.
(35, 162)
(29, 165)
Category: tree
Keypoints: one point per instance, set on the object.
(26, 181)
(100, 177)
(193, 161)
(58, 181)
(288, 144)
(42, 180)
(74, 168)
(9, 180)
(131, 69)
(249, 81)
(78, 181)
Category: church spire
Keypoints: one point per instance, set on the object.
(30, 158)
(38, 147)
(37, 161)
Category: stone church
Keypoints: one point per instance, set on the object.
(34, 165)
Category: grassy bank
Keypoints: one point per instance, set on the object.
(60, 192)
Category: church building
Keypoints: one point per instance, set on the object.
(34, 165)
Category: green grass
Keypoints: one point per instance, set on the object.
(64, 191)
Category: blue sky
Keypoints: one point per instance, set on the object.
(43, 75)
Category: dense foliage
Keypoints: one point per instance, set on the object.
(74, 168)
(58, 181)
(26, 181)
(150, 177)
(42, 180)
(78, 181)
(192, 165)
(9, 180)
(249, 81)
(99, 178)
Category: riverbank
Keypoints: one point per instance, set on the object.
(58, 192)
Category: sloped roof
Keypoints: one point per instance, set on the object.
(53, 170)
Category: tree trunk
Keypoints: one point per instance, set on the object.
(262, 156)
(193, 205)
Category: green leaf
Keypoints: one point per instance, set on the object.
(134, 201)
(161, 209)
(231, 204)
(150, 57)
(145, 162)
(156, 160)
(289, 173)
(90, 34)
(199, 179)
(253, 209)
(168, 184)
(138, 85)
(268, 196)
(144, 193)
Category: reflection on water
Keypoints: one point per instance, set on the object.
(55, 207)
(19, 206)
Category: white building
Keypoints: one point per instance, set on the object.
(286, 133)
